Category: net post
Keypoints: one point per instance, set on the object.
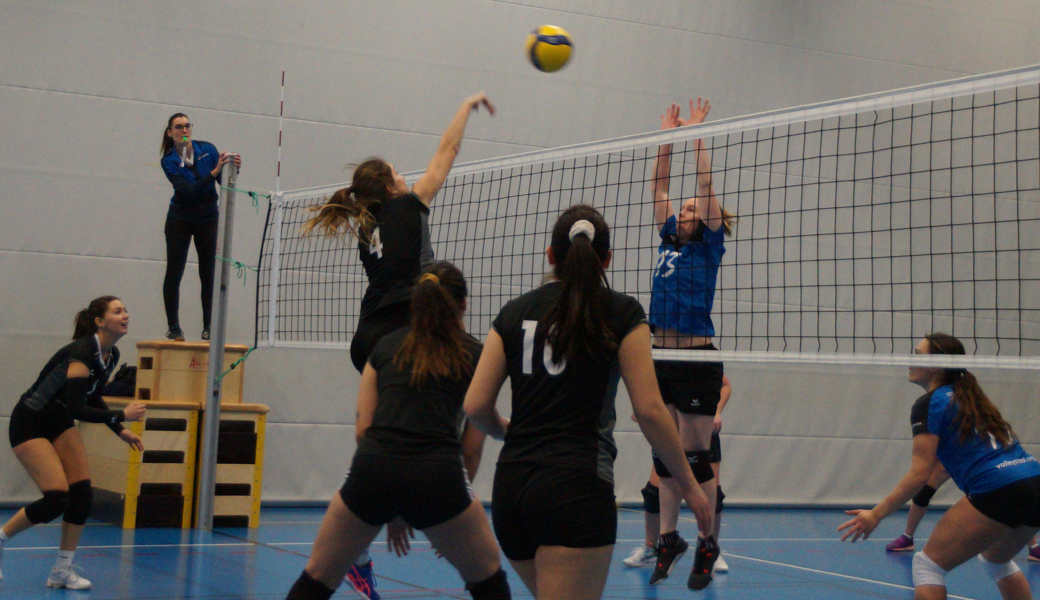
(211, 420)
(276, 263)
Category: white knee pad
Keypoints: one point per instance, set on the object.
(999, 571)
(926, 572)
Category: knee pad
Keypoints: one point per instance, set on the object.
(50, 507)
(493, 588)
(719, 497)
(998, 571)
(81, 498)
(661, 470)
(700, 464)
(651, 498)
(923, 497)
(926, 572)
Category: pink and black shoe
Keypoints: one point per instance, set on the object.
(903, 543)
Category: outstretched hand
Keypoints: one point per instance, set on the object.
(859, 526)
(478, 99)
(670, 119)
(698, 112)
(397, 534)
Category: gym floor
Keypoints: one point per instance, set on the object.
(781, 554)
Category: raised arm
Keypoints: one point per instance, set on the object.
(663, 171)
(437, 171)
(708, 208)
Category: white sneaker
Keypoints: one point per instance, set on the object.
(642, 555)
(68, 579)
(720, 565)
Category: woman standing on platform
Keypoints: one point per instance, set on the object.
(391, 224)
(192, 167)
(681, 301)
(956, 424)
(45, 439)
(407, 465)
(564, 347)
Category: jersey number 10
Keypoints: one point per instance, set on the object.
(550, 366)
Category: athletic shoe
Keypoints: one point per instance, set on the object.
(903, 543)
(667, 557)
(174, 333)
(720, 565)
(67, 578)
(363, 580)
(642, 555)
(205, 334)
(1034, 553)
(703, 561)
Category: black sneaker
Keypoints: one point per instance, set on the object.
(703, 561)
(667, 556)
(174, 333)
(205, 334)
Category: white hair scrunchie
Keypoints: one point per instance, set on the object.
(584, 228)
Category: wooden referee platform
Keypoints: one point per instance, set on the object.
(159, 486)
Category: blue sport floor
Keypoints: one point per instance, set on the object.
(776, 554)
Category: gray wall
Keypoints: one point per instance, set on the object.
(86, 87)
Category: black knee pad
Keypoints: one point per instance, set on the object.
(493, 588)
(924, 497)
(659, 468)
(309, 588)
(50, 507)
(719, 497)
(651, 498)
(81, 498)
(700, 464)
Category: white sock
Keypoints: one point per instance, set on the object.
(3, 537)
(363, 559)
(64, 559)
(1033, 545)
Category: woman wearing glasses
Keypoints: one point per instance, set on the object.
(192, 167)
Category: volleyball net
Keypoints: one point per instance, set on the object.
(862, 224)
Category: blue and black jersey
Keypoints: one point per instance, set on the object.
(977, 465)
(52, 390)
(684, 280)
(195, 197)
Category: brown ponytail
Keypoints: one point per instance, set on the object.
(167, 141)
(435, 346)
(578, 324)
(976, 414)
(85, 319)
(729, 221)
(349, 209)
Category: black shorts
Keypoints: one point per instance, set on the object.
(49, 423)
(372, 327)
(1014, 505)
(716, 448)
(534, 506)
(693, 387)
(424, 493)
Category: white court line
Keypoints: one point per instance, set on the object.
(853, 577)
(34, 548)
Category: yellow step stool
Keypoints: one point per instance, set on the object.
(177, 371)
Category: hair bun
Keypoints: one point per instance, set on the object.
(582, 227)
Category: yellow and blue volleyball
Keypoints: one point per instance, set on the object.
(549, 48)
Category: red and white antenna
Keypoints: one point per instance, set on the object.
(281, 113)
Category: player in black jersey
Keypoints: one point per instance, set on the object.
(391, 224)
(564, 347)
(45, 439)
(407, 465)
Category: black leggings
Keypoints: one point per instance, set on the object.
(178, 238)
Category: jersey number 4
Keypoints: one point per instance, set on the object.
(550, 366)
(374, 245)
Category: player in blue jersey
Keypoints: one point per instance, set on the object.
(956, 424)
(681, 300)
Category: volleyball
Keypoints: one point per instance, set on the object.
(549, 48)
